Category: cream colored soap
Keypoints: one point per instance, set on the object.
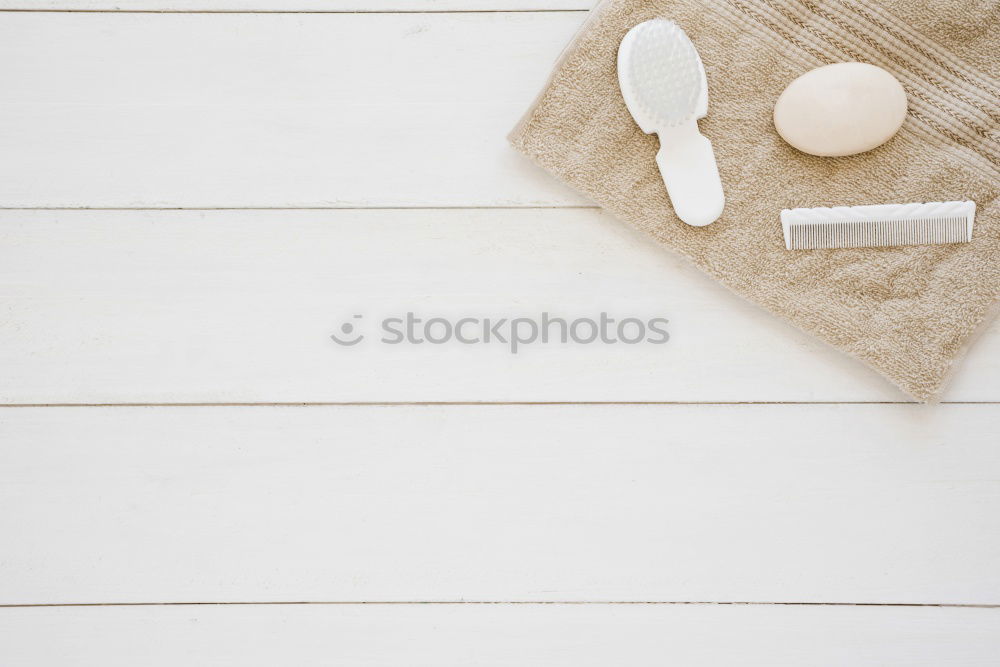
(840, 109)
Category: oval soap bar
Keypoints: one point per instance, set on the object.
(840, 109)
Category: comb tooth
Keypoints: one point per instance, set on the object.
(812, 232)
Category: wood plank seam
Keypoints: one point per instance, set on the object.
(320, 404)
(942, 605)
(26, 10)
(417, 207)
(466, 404)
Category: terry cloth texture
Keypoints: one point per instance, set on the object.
(908, 312)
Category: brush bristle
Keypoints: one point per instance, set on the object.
(664, 73)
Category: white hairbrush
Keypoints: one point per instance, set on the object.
(663, 82)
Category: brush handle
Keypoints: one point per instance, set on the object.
(687, 164)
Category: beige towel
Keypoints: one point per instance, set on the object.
(907, 312)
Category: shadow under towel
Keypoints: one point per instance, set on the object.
(908, 312)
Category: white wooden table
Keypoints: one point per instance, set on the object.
(197, 193)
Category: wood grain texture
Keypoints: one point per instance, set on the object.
(239, 306)
(453, 636)
(870, 504)
(273, 110)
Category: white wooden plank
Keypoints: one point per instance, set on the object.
(299, 5)
(238, 306)
(820, 503)
(285, 6)
(272, 110)
(453, 636)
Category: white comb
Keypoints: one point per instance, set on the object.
(878, 226)
(663, 82)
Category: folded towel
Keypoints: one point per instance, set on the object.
(908, 312)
